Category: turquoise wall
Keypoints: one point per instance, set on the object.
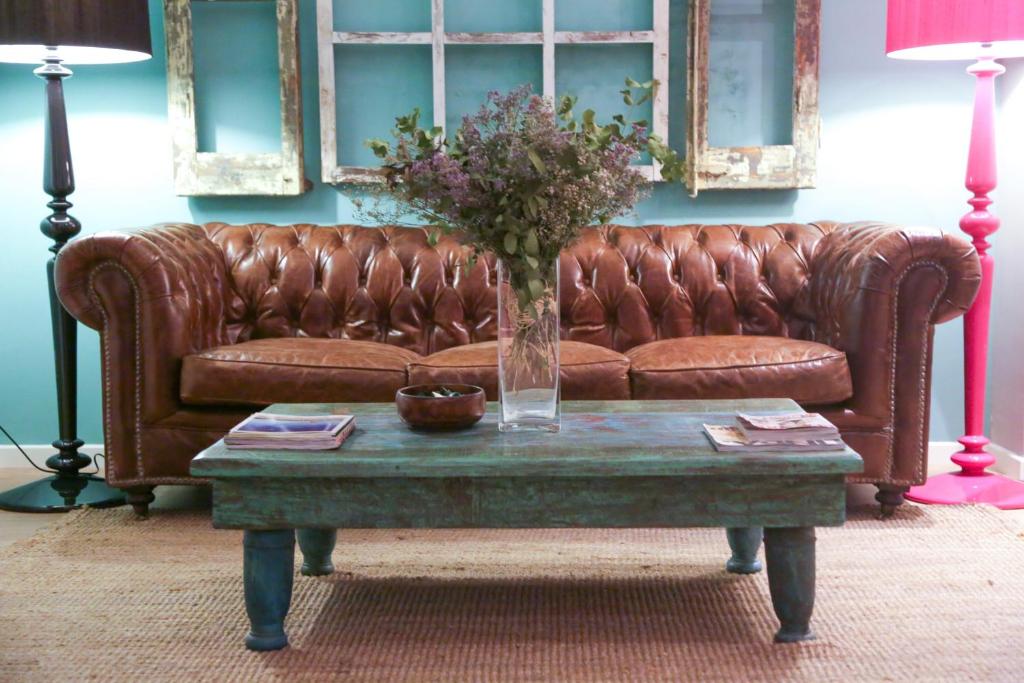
(893, 142)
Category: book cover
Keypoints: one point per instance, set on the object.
(731, 439)
(291, 432)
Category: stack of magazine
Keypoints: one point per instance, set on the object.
(291, 432)
(789, 433)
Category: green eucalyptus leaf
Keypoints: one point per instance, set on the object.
(565, 106)
(530, 208)
(535, 159)
(380, 147)
(530, 244)
(536, 288)
(511, 243)
(523, 295)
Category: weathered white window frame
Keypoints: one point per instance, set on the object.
(438, 38)
(768, 167)
(215, 173)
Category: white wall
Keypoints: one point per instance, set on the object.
(1006, 394)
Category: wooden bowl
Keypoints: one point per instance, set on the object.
(439, 413)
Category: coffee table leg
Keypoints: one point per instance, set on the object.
(268, 563)
(790, 556)
(744, 543)
(316, 545)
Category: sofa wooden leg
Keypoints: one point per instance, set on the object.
(139, 497)
(891, 497)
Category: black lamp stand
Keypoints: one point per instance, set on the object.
(69, 487)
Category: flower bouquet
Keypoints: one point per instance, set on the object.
(520, 178)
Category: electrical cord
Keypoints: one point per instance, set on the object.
(95, 458)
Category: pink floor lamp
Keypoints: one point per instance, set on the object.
(981, 31)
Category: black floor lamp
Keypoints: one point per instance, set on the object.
(55, 33)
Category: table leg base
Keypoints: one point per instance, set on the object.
(268, 563)
(266, 643)
(793, 637)
(744, 543)
(319, 570)
(738, 567)
(790, 557)
(316, 546)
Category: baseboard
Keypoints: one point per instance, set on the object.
(11, 457)
(1008, 463)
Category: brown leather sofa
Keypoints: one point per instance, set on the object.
(202, 324)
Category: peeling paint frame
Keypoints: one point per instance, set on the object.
(223, 174)
(768, 167)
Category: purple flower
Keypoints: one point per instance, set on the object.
(513, 166)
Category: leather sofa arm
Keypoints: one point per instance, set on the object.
(876, 292)
(858, 266)
(156, 295)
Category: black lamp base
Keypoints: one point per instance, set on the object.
(60, 493)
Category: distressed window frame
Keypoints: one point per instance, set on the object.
(233, 173)
(765, 167)
(548, 38)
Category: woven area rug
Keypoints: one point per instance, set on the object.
(936, 594)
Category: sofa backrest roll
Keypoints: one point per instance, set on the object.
(620, 286)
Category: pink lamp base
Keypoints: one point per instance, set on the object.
(958, 488)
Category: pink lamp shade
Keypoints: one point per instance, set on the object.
(955, 29)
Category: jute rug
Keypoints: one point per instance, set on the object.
(934, 595)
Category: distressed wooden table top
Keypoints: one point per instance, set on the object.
(598, 438)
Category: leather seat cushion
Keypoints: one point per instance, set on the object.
(734, 366)
(588, 372)
(294, 370)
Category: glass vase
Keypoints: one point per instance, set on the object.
(528, 329)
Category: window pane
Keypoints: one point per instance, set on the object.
(474, 70)
(750, 85)
(474, 16)
(374, 84)
(381, 15)
(611, 15)
(596, 73)
(238, 82)
(678, 76)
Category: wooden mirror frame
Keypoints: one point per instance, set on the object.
(215, 173)
(768, 167)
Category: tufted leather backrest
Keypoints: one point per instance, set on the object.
(621, 286)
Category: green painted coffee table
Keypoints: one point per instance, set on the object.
(614, 464)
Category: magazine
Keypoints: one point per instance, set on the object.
(290, 432)
(730, 439)
(786, 427)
